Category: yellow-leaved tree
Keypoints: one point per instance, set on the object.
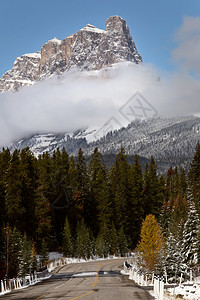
(151, 242)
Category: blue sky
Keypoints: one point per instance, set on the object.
(26, 25)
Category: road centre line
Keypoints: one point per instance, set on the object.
(39, 297)
(83, 295)
(96, 277)
(92, 285)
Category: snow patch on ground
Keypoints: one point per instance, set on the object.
(85, 274)
(124, 272)
(187, 292)
(55, 255)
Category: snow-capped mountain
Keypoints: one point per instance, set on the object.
(88, 49)
(92, 50)
(170, 140)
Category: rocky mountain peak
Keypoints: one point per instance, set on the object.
(90, 48)
(117, 24)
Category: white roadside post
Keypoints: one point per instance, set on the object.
(15, 284)
(145, 281)
(134, 276)
(191, 275)
(154, 285)
(152, 282)
(161, 292)
(158, 287)
(138, 278)
(5, 285)
(166, 276)
(181, 278)
(142, 279)
(10, 284)
(2, 287)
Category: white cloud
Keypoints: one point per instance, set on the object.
(187, 53)
(73, 101)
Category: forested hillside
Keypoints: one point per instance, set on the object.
(62, 203)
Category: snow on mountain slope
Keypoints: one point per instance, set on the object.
(169, 140)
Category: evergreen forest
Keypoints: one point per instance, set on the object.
(61, 203)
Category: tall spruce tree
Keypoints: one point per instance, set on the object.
(194, 173)
(135, 209)
(120, 190)
(83, 197)
(60, 197)
(100, 245)
(114, 247)
(99, 191)
(122, 242)
(12, 242)
(83, 242)
(25, 257)
(4, 163)
(28, 186)
(67, 240)
(152, 190)
(43, 215)
(13, 197)
(191, 234)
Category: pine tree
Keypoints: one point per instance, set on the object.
(151, 242)
(83, 186)
(61, 193)
(43, 214)
(173, 249)
(100, 197)
(194, 172)
(103, 201)
(73, 174)
(44, 253)
(83, 242)
(28, 186)
(114, 248)
(100, 245)
(122, 242)
(43, 194)
(183, 183)
(33, 257)
(13, 198)
(25, 253)
(135, 209)
(4, 163)
(120, 190)
(152, 191)
(67, 241)
(12, 240)
(191, 235)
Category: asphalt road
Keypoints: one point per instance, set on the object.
(100, 280)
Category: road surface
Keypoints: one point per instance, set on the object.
(86, 281)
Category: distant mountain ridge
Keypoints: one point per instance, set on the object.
(171, 141)
(89, 48)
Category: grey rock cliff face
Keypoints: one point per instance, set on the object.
(24, 72)
(88, 49)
